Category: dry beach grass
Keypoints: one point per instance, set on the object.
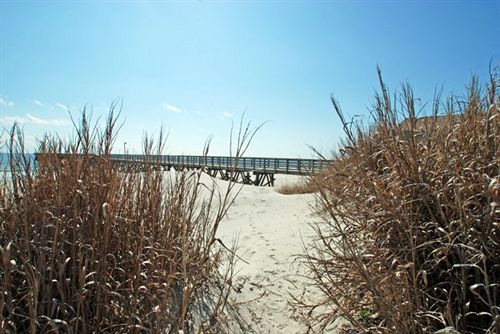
(85, 247)
(301, 186)
(409, 237)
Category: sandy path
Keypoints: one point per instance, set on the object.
(269, 226)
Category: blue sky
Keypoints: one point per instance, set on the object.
(195, 67)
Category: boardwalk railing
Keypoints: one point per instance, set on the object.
(257, 171)
(250, 164)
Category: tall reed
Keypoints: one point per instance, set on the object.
(409, 234)
(87, 247)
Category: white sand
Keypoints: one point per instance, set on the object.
(270, 227)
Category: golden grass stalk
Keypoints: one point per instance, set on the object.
(409, 234)
(86, 247)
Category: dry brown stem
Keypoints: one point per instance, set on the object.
(409, 237)
(85, 247)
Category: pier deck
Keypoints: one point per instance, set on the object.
(249, 170)
(239, 169)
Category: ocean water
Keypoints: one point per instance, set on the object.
(5, 160)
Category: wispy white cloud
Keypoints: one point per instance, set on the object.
(41, 121)
(200, 113)
(171, 108)
(62, 106)
(5, 102)
(30, 119)
(227, 114)
(38, 103)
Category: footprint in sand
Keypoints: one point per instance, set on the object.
(272, 272)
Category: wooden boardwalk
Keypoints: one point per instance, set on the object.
(248, 170)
